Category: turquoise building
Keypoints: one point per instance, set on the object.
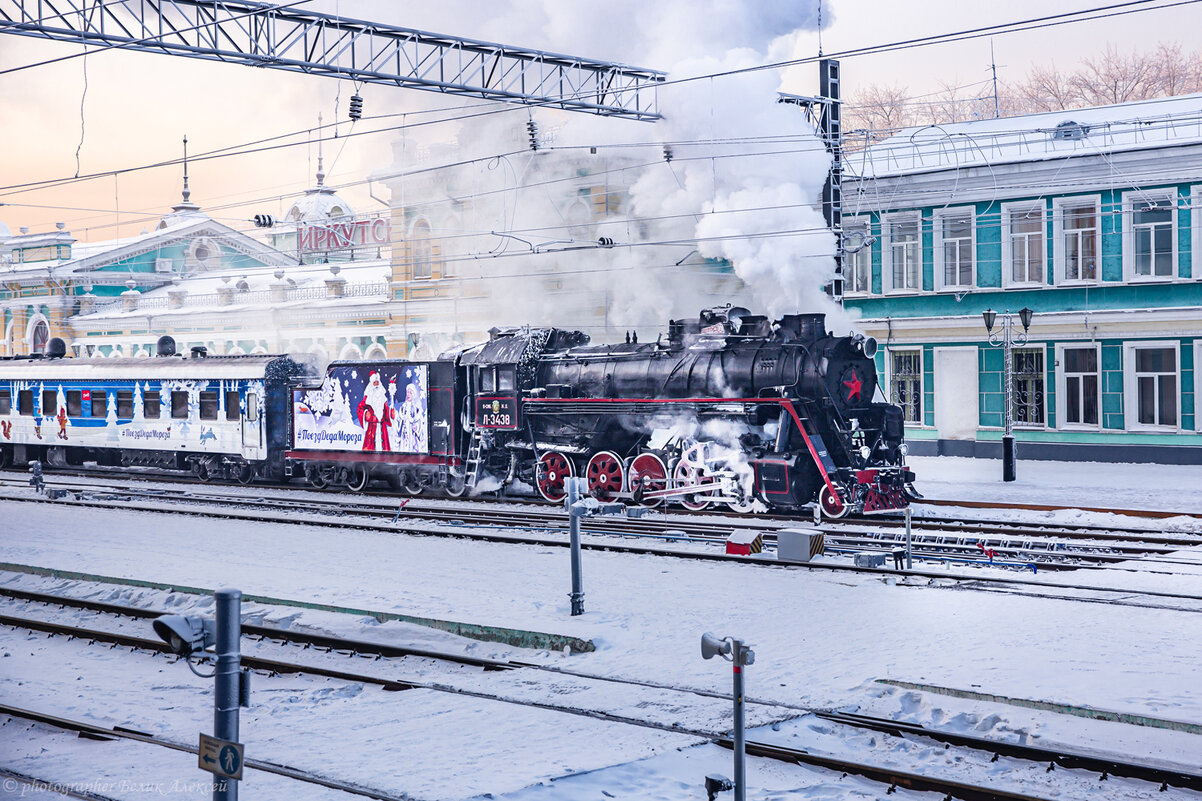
(1086, 217)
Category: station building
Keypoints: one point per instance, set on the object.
(50, 282)
(1085, 217)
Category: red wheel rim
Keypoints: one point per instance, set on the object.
(554, 469)
(832, 505)
(649, 472)
(605, 474)
(685, 475)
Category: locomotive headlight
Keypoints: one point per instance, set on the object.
(865, 452)
(904, 450)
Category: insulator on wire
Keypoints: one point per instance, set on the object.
(356, 108)
(532, 130)
(668, 154)
(263, 221)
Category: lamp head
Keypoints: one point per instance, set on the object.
(990, 316)
(712, 645)
(185, 635)
(1025, 316)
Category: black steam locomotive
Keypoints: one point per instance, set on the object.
(730, 408)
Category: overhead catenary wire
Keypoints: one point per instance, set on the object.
(1119, 9)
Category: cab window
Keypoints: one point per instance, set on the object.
(506, 379)
(487, 380)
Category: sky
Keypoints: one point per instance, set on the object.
(138, 106)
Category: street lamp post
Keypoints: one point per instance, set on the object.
(1006, 338)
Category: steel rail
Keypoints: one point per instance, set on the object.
(618, 547)
(766, 521)
(1065, 758)
(883, 774)
(95, 732)
(307, 639)
(1047, 557)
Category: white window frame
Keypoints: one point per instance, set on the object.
(887, 223)
(1010, 210)
(1062, 386)
(941, 284)
(1195, 204)
(1131, 202)
(1058, 253)
(907, 349)
(1131, 385)
(850, 258)
(1197, 376)
(1042, 423)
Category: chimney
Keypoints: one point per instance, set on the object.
(225, 292)
(176, 294)
(335, 285)
(279, 287)
(129, 298)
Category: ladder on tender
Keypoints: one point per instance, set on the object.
(475, 446)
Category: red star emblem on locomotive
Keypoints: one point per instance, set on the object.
(853, 386)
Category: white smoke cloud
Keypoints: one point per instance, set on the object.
(746, 171)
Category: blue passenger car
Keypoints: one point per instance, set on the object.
(219, 417)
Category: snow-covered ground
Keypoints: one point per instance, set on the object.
(822, 639)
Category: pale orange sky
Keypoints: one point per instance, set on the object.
(139, 105)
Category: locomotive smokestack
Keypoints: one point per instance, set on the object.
(806, 327)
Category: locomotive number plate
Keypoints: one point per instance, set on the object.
(496, 412)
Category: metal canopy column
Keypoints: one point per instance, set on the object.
(284, 38)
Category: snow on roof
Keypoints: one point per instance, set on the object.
(1035, 137)
(366, 283)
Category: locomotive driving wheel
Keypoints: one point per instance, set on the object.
(687, 474)
(648, 473)
(606, 475)
(833, 506)
(553, 470)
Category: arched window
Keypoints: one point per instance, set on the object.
(376, 352)
(422, 250)
(350, 351)
(39, 337)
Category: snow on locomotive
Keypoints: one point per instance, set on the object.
(730, 409)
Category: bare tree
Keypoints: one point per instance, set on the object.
(879, 109)
(1045, 89)
(1114, 78)
(1111, 77)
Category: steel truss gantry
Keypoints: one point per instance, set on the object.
(287, 38)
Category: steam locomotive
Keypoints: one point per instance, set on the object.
(730, 409)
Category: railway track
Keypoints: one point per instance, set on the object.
(974, 526)
(348, 650)
(1037, 547)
